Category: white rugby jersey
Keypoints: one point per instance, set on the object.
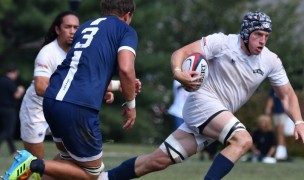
(46, 62)
(233, 75)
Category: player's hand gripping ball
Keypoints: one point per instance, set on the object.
(196, 62)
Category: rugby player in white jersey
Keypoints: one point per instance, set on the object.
(57, 42)
(238, 63)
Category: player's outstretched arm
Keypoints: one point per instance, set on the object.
(127, 78)
(291, 106)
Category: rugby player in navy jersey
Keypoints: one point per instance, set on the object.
(73, 99)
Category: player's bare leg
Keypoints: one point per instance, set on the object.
(64, 168)
(157, 160)
(61, 169)
(37, 149)
(229, 131)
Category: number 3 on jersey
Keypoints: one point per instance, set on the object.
(89, 33)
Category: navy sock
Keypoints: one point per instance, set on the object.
(219, 168)
(37, 165)
(124, 171)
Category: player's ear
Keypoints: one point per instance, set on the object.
(57, 30)
(127, 17)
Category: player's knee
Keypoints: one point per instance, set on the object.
(230, 129)
(242, 142)
(174, 150)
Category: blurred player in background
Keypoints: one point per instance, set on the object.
(74, 96)
(10, 94)
(264, 142)
(176, 109)
(57, 42)
(238, 63)
(274, 108)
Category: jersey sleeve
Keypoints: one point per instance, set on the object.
(212, 44)
(129, 41)
(43, 64)
(277, 76)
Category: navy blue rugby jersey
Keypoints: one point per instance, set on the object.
(84, 75)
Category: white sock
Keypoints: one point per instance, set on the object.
(103, 176)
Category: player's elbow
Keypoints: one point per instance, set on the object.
(126, 70)
(40, 91)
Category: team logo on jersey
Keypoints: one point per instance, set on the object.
(42, 65)
(205, 41)
(258, 71)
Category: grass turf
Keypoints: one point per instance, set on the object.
(192, 169)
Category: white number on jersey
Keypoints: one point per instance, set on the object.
(89, 33)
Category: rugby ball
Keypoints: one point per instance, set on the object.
(196, 62)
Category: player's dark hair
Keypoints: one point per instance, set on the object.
(51, 34)
(117, 7)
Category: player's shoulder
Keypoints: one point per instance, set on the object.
(222, 38)
(49, 48)
(121, 28)
(218, 35)
(269, 55)
(50, 52)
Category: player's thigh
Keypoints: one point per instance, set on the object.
(187, 141)
(76, 127)
(93, 163)
(225, 127)
(217, 124)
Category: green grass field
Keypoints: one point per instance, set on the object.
(192, 169)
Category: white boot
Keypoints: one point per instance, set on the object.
(281, 153)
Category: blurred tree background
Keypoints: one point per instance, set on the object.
(163, 26)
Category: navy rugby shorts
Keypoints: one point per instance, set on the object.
(77, 127)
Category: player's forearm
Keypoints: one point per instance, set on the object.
(292, 108)
(19, 92)
(127, 83)
(269, 105)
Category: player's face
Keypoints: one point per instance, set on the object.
(67, 29)
(257, 41)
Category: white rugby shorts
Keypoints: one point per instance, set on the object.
(198, 108)
(279, 119)
(33, 126)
